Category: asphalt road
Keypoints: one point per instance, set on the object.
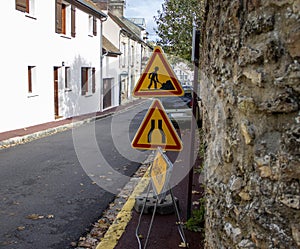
(53, 189)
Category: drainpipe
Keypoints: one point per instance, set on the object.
(101, 62)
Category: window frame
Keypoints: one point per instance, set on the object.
(88, 81)
(93, 79)
(123, 55)
(67, 79)
(26, 6)
(31, 80)
(65, 19)
(92, 25)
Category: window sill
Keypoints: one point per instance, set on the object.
(88, 95)
(68, 90)
(30, 16)
(66, 36)
(32, 95)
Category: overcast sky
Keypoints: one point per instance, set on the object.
(144, 9)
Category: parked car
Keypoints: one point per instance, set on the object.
(179, 108)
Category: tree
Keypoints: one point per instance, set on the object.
(175, 26)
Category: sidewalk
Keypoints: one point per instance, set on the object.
(117, 227)
(27, 134)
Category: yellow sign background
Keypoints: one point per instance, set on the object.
(169, 140)
(158, 173)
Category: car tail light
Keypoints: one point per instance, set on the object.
(190, 104)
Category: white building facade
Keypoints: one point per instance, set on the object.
(50, 52)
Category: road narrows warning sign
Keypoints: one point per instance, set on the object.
(156, 130)
(158, 78)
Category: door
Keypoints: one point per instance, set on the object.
(56, 106)
(107, 84)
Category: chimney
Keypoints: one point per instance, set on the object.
(116, 7)
(102, 4)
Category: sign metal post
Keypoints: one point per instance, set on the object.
(156, 132)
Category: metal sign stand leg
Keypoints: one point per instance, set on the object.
(179, 222)
(151, 223)
(140, 217)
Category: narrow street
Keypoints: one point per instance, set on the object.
(53, 189)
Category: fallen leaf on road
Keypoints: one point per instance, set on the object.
(35, 217)
(21, 228)
(184, 245)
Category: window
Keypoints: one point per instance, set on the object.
(132, 56)
(93, 80)
(84, 81)
(107, 92)
(92, 26)
(31, 79)
(123, 56)
(67, 77)
(26, 6)
(88, 80)
(65, 18)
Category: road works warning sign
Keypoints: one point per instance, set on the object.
(156, 130)
(158, 78)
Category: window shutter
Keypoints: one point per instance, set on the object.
(73, 28)
(22, 5)
(94, 26)
(84, 81)
(93, 80)
(58, 16)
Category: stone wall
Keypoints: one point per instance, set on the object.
(250, 88)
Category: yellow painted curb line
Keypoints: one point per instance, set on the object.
(115, 231)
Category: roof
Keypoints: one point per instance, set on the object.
(125, 28)
(89, 7)
(138, 21)
(110, 48)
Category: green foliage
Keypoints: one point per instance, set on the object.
(196, 222)
(175, 26)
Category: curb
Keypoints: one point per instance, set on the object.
(4, 144)
(47, 132)
(107, 231)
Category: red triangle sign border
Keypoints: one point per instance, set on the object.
(153, 93)
(136, 144)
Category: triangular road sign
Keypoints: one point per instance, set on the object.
(158, 78)
(156, 131)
